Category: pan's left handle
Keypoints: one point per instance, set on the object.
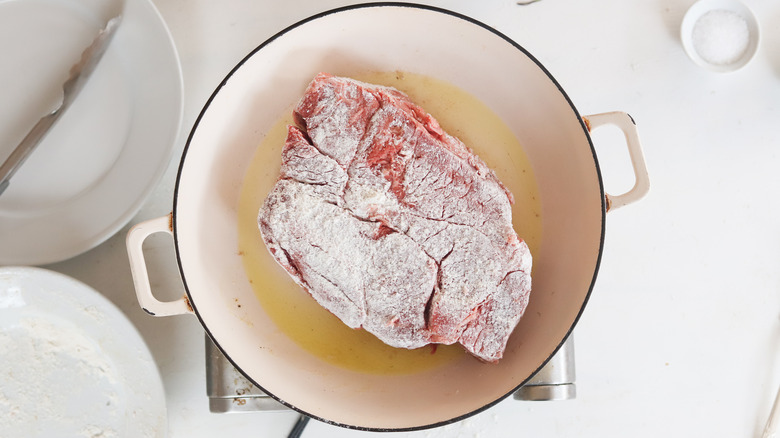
(642, 180)
(143, 289)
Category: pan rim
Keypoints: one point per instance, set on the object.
(429, 8)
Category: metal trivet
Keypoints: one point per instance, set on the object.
(230, 392)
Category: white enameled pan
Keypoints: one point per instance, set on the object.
(386, 37)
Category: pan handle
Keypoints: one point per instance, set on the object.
(642, 181)
(143, 290)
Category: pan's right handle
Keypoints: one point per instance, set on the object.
(626, 124)
(143, 290)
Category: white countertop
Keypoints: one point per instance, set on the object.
(682, 334)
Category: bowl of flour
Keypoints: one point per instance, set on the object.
(71, 363)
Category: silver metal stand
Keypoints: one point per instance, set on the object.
(229, 391)
(555, 381)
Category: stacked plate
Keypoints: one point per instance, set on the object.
(98, 164)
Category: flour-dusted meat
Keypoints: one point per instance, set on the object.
(393, 225)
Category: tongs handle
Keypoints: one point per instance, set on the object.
(26, 146)
(79, 74)
(773, 423)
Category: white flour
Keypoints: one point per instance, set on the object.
(54, 377)
(71, 364)
(393, 225)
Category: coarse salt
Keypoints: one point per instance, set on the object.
(721, 37)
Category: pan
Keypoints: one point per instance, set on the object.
(299, 356)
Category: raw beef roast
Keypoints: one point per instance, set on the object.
(393, 225)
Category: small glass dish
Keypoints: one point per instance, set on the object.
(720, 35)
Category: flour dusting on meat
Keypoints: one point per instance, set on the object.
(393, 225)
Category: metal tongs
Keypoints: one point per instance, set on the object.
(773, 423)
(79, 75)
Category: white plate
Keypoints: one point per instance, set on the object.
(72, 364)
(92, 172)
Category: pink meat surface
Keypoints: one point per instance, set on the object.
(393, 225)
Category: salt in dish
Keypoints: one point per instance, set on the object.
(720, 35)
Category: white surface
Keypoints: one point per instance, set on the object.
(93, 170)
(682, 334)
(72, 364)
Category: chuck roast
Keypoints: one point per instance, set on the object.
(393, 225)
